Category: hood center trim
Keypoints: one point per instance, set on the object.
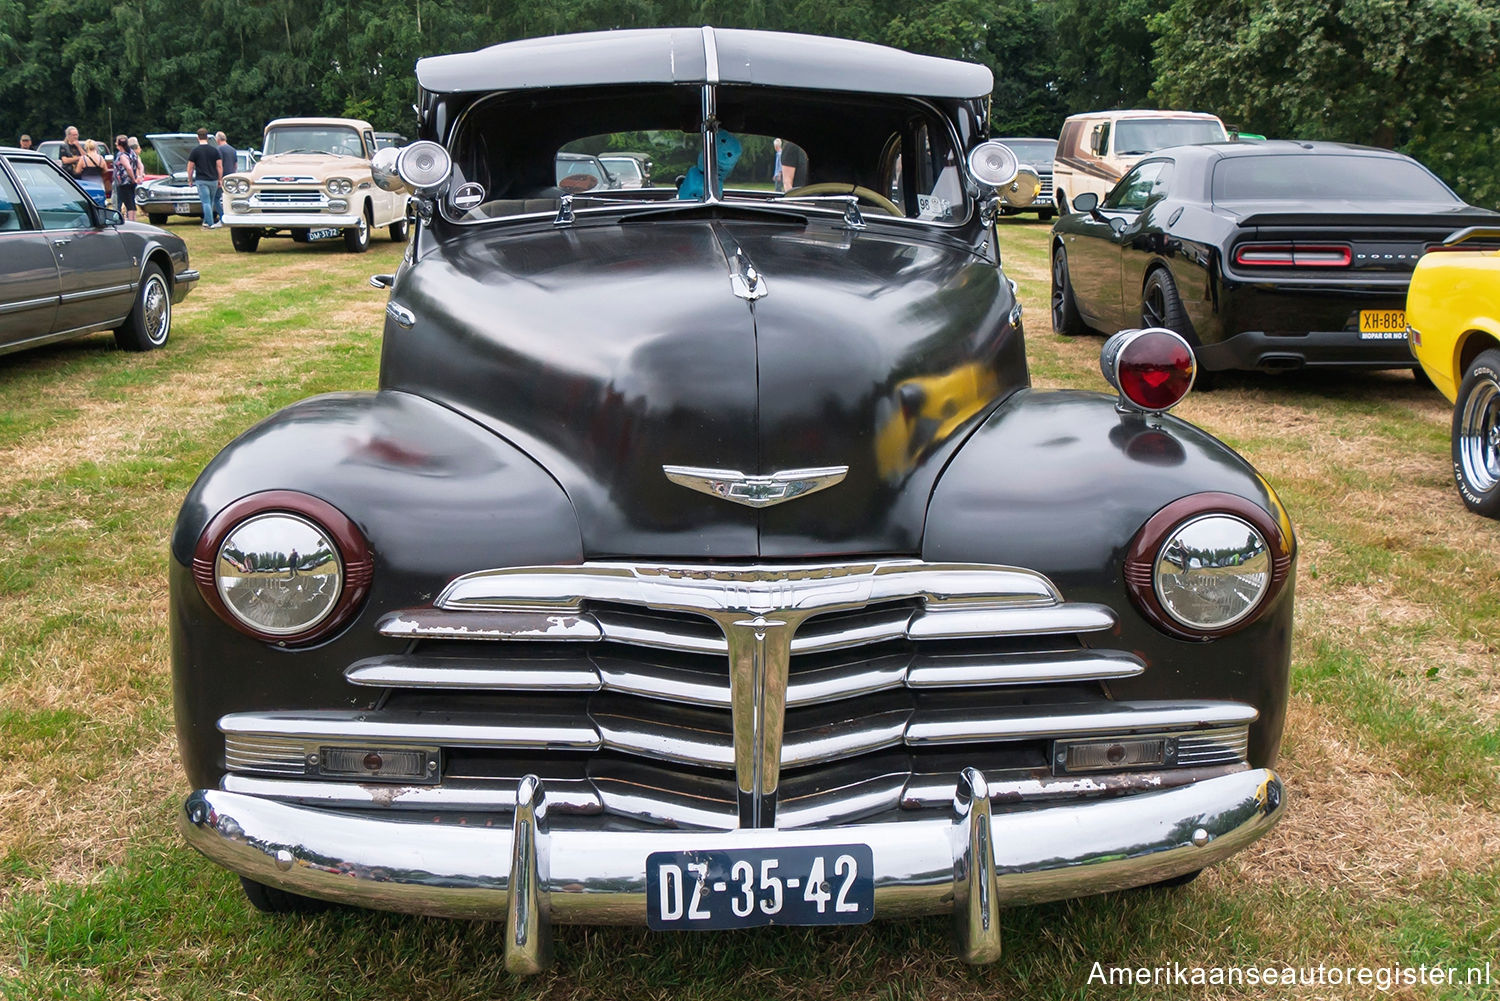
(744, 279)
(756, 491)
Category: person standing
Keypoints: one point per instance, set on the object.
(793, 166)
(128, 173)
(776, 167)
(25, 142)
(229, 158)
(205, 172)
(71, 151)
(89, 168)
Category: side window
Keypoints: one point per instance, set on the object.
(1067, 143)
(891, 172)
(59, 204)
(1100, 143)
(1135, 188)
(369, 145)
(12, 212)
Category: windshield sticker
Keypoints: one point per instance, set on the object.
(468, 196)
(933, 207)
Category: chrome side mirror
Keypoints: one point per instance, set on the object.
(421, 169)
(383, 171)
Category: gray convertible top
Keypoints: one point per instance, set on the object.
(702, 55)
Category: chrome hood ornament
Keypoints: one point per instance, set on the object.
(756, 491)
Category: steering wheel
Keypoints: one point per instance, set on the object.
(875, 198)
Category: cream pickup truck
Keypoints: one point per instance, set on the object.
(313, 183)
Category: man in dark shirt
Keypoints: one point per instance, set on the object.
(25, 142)
(72, 152)
(793, 166)
(205, 171)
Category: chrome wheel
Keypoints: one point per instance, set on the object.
(1478, 438)
(156, 310)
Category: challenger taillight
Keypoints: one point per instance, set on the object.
(1292, 255)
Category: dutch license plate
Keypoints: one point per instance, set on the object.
(748, 887)
(184, 208)
(323, 234)
(1382, 324)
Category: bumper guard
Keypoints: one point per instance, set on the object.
(534, 876)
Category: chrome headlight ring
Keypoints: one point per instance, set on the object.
(283, 567)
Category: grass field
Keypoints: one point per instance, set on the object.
(1390, 853)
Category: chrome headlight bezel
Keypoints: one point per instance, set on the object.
(339, 186)
(1152, 547)
(297, 517)
(1198, 559)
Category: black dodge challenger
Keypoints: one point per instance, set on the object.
(705, 559)
(1264, 256)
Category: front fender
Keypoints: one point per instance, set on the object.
(1060, 482)
(435, 495)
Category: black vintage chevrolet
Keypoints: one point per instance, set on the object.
(705, 558)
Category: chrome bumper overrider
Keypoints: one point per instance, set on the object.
(533, 876)
(288, 220)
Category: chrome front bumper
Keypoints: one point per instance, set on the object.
(291, 220)
(533, 876)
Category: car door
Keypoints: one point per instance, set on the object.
(1094, 267)
(96, 277)
(28, 271)
(382, 202)
(1144, 240)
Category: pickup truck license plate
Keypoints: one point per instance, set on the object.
(1382, 324)
(329, 234)
(747, 887)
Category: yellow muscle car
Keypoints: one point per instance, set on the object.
(1453, 324)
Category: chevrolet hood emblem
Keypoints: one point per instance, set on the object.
(756, 491)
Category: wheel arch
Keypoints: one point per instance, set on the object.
(1470, 345)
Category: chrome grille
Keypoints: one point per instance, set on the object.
(1045, 194)
(723, 696)
(289, 197)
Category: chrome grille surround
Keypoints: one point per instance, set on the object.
(889, 659)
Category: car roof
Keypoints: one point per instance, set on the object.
(702, 55)
(1275, 147)
(354, 123)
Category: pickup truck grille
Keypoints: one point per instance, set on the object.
(287, 200)
(705, 696)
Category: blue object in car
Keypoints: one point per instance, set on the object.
(729, 148)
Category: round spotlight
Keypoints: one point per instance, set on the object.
(993, 164)
(424, 165)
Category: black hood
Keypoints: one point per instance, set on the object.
(608, 351)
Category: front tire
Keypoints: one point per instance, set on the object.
(1045, 215)
(156, 218)
(1065, 316)
(245, 240)
(270, 900)
(1476, 435)
(357, 238)
(398, 231)
(150, 321)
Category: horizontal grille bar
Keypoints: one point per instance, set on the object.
(708, 685)
(702, 738)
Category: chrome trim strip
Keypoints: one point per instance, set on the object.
(563, 795)
(953, 726)
(431, 623)
(458, 870)
(405, 318)
(96, 293)
(846, 738)
(970, 670)
(356, 726)
(453, 673)
(756, 491)
(988, 622)
(25, 304)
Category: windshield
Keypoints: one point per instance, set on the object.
(335, 139)
(1033, 152)
(173, 150)
(1304, 177)
(1138, 136)
(520, 153)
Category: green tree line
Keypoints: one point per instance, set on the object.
(1415, 75)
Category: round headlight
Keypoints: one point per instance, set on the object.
(283, 566)
(1212, 572)
(279, 574)
(1209, 564)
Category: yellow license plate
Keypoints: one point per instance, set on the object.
(1382, 324)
